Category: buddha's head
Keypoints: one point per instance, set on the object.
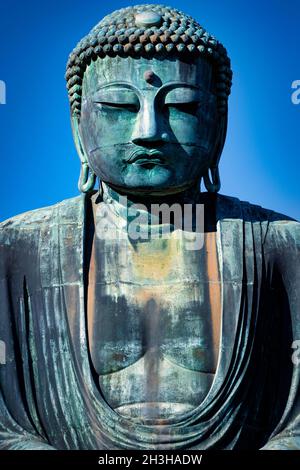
(148, 89)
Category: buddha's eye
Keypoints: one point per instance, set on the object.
(132, 107)
(189, 108)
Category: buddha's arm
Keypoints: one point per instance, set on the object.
(18, 431)
(284, 245)
(19, 423)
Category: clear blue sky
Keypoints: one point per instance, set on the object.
(260, 163)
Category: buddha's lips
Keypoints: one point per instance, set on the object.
(145, 156)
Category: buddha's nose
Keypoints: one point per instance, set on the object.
(148, 128)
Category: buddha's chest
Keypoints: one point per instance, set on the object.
(153, 319)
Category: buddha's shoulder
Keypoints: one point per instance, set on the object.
(66, 211)
(279, 230)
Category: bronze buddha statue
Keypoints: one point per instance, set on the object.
(145, 313)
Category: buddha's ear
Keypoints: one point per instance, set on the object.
(211, 177)
(87, 177)
(220, 140)
(77, 139)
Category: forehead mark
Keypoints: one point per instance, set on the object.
(151, 78)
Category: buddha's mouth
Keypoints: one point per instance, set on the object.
(147, 158)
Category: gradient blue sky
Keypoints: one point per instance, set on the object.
(260, 162)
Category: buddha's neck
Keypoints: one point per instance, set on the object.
(149, 208)
(188, 196)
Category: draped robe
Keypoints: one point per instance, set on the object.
(48, 394)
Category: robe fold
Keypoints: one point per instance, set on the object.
(49, 397)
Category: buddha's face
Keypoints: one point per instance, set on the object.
(148, 125)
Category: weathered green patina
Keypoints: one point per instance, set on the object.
(118, 337)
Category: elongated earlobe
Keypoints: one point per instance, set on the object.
(211, 178)
(87, 178)
(212, 184)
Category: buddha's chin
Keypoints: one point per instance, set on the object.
(155, 179)
(161, 190)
